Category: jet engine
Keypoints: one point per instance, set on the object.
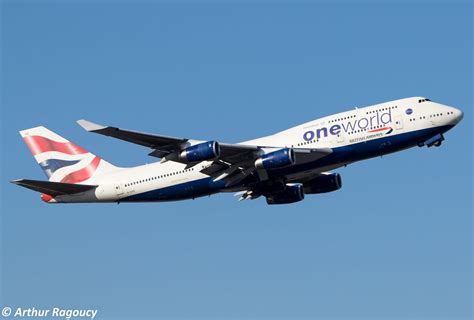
(276, 159)
(201, 152)
(292, 193)
(324, 183)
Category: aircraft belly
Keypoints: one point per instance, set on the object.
(181, 191)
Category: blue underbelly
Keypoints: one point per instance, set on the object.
(182, 191)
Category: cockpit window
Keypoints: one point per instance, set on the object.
(423, 100)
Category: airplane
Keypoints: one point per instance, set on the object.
(283, 167)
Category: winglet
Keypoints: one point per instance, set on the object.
(90, 126)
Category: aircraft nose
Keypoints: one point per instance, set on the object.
(458, 115)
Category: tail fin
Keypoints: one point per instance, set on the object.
(61, 160)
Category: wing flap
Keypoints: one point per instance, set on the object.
(53, 188)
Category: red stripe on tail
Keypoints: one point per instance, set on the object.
(82, 174)
(38, 144)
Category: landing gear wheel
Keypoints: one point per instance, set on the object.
(437, 143)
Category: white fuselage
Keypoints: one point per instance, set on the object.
(364, 132)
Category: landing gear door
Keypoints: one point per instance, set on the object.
(398, 123)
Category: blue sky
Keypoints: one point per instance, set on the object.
(394, 243)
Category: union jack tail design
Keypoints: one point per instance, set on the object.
(62, 160)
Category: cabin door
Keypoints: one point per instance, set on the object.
(118, 189)
(340, 137)
(398, 123)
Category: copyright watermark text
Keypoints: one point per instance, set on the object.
(56, 312)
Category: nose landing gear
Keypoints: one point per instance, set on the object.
(433, 141)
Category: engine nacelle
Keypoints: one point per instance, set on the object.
(201, 152)
(276, 159)
(323, 183)
(292, 193)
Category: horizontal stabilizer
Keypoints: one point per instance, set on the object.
(53, 188)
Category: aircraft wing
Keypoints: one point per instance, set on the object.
(164, 146)
(158, 142)
(235, 162)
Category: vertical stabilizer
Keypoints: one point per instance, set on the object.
(62, 160)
